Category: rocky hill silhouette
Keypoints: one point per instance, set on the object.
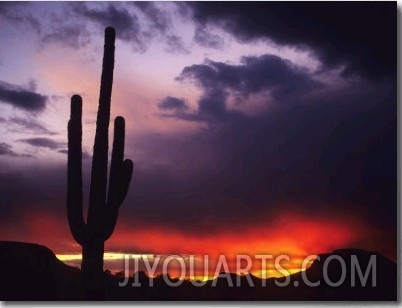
(32, 272)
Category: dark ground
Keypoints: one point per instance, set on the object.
(32, 272)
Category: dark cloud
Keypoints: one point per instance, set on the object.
(43, 143)
(5, 149)
(335, 148)
(138, 23)
(29, 125)
(69, 24)
(359, 35)
(285, 81)
(33, 187)
(254, 74)
(174, 44)
(62, 26)
(20, 97)
(13, 12)
(318, 150)
(172, 103)
(126, 23)
(157, 18)
(74, 35)
(13, 191)
(207, 39)
(157, 22)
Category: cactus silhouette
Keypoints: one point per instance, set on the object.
(103, 204)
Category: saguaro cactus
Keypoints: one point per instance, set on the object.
(103, 204)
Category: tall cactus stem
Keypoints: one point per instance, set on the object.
(103, 205)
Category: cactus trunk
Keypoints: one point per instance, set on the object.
(103, 204)
(92, 269)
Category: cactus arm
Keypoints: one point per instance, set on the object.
(120, 176)
(74, 175)
(117, 152)
(97, 198)
(126, 174)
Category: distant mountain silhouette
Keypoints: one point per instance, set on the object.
(32, 272)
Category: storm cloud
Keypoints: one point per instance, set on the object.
(29, 125)
(316, 154)
(126, 24)
(282, 79)
(157, 18)
(11, 11)
(359, 36)
(170, 102)
(175, 44)
(207, 39)
(5, 149)
(74, 35)
(20, 97)
(136, 23)
(43, 143)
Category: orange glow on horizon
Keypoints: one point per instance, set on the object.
(291, 234)
(288, 233)
(115, 263)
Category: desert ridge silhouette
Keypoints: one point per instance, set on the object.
(106, 196)
(32, 272)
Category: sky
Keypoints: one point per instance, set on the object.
(255, 128)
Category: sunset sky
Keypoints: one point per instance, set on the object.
(255, 128)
